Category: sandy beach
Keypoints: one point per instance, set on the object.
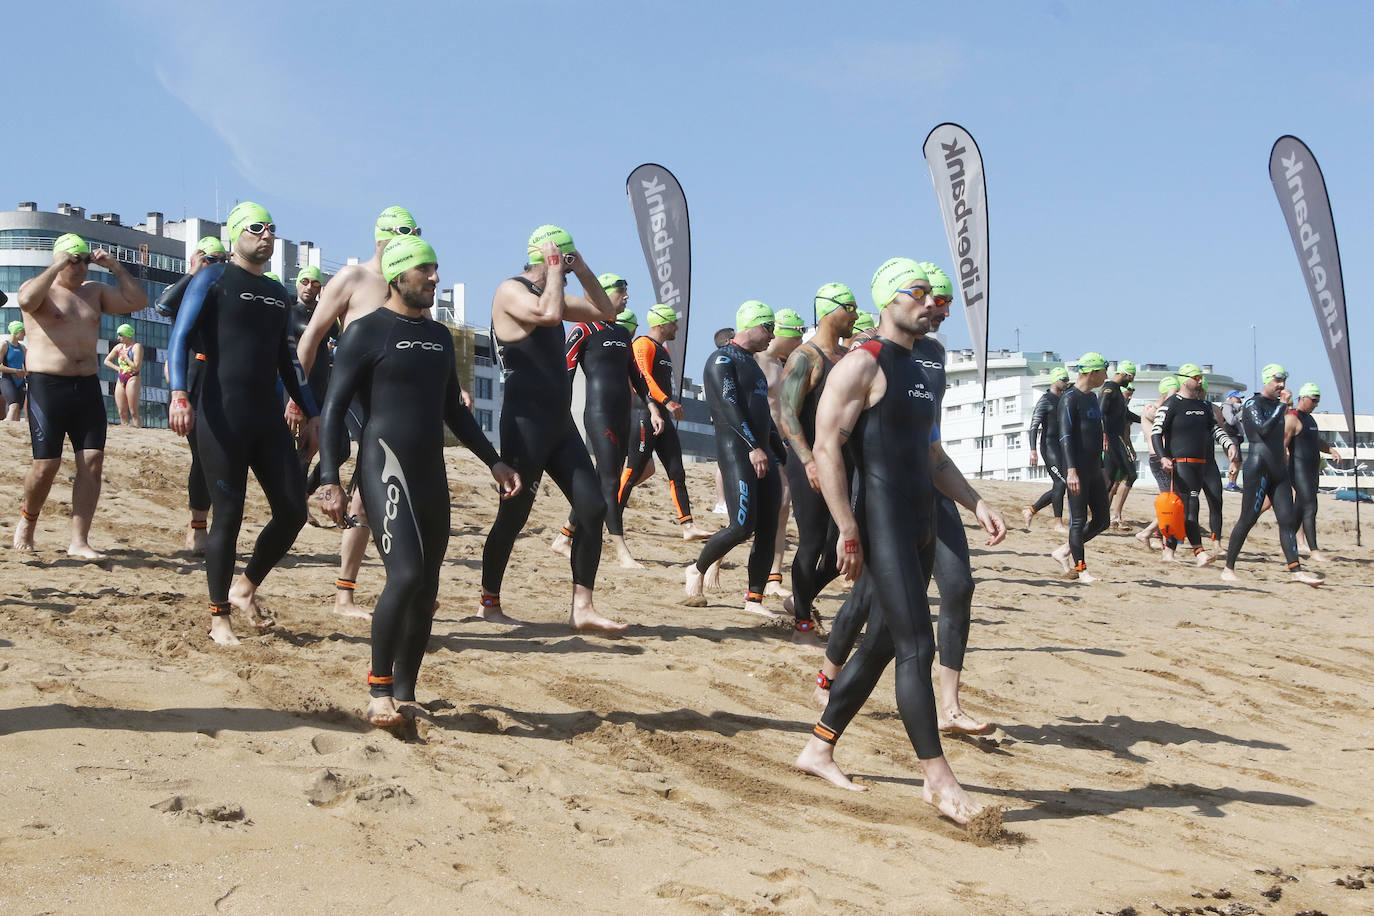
(1165, 743)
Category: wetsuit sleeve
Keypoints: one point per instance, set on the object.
(170, 300)
(1265, 427)
(776, 444)
(292, 376)
(188, 315)
(721, 377)
(1038, 418)
(1220, 435)
(1132, 416)
(572, 347)
(644, 359)
(1067, 440)
(356, 360)
(463, 423)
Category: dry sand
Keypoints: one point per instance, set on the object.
(1164, 742)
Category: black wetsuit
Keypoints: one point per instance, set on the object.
(1116, 419)
(655, 366)
(602, 349)
(737, 393)
(239, 320)
(197, 492)
(1044, 437)
(406, 364)
(1080, 436)
(1266, 475)
(319, 381)
(1305, 468)
(814, 564)
(891, 449)
(1186, 431)
(538, 434)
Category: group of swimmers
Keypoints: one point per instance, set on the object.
(256, 386)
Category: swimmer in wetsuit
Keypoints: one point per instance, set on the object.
(1044, 439)
(1119, 460)
(1266, 473)
(879, 401)
(1184, 434)
(1082, 439)
(602, 349)
(788, 326)
(13, 385)
(803, 381)
(397, 357)
(864, 329)
(748, 451)
(309, 283)
(237, 317)
(537, 429)
(1305, 448)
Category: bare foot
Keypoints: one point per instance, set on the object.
(822, 696)
(1060, 527)
(756, 607)
(1307, 578)
(1167, 554)
(344, 606)
(818, 759)
(491, 612)
(693, 577)
(1228, 575)
(1027, 513)
(383, 712)
(562, 545)
(195, 541)
(1061, 555)
(955, 805)
(1317, 556)
(1146, 539)
(244, 596)
(712, 578)
(627, 560)
(1202, 558)
(221, 632)
(84, 551)
(585, 619)
(774, 587)
(23, 533)
(1085, 576)
(690, 532)
(961, 723)
(809, 638)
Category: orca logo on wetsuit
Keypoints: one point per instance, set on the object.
(614, 343)
(420, 344)
(391, 470)
(266, 300)
(928, 363)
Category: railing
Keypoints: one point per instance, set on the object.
(139, 255)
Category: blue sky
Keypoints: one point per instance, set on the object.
(1126, 147)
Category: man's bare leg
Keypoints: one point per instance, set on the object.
(352, 546)
(1148, 534)
(585, 618)
(690, 532)
(1027, 513)
(818, 759)
(491, 612)
(243, 594)
(37, 484)
(195, 532)
(1118, 504)
(943, 792)
(562, 543)
(221, 629)
(622, 553)
(952, 719)
(693, 579)
(829, 671)
(85, 494)
(774, 585)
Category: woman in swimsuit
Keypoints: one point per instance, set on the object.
(126, 359)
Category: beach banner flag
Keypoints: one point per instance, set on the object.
(660, 210)
(956, 168)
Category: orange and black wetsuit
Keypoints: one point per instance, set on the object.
(656, 366)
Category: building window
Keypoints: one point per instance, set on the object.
(1013, 441)
(484, 418)
(984, 442)
(483, 388)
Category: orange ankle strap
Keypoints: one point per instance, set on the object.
(27, 516)
(220, 609)
(199, 526)
(346, 585)
(380, 681)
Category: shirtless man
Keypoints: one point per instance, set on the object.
(787, 336)
(355, 291)
(62, 312)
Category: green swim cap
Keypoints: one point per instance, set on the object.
(271, 276)
(404, 252)
(864, 322)
(310, 272)
(1188, 370)
(1059, 374)
(16, 327)
(787, 323)
(752, 314)
(1125, 367)
(940, 284)
(1168, 384)
(389, 219)
(1310, 390)
(611, 281)
(210, 246)
(244, 214)
(895, 274)
(125, 330)
(71, 242)
(549, 233)
(661, 314)
(1273, 371)
(1203, 383)
(832, 296)
(1091, 361)
(627, 320)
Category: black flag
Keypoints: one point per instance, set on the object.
(660, 210)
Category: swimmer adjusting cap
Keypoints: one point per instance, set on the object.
(752, 314)
(404, 252)
(1168, 384)
(125, 330)
(391, 218)
(310, 272)
(1091, 361)
(865, 321)
(16, 327)
(627, 320)
(210, 246)
(895, 274)
(1273, 371)
(661, 314)
(71, 242)
(244, 214)
(611, 281)
(832, 296)
(787, 323)
(549, 233)
(1059, 374)
(1125, 367)
(1189, 370)
(940, 284)
(1310, 390)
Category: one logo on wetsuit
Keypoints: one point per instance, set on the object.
(391, 470)
(266, 300)
(418, 344)
(743, 513)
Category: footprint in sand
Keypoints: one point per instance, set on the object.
(384, 798)
(187, 810)
(327, 788)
